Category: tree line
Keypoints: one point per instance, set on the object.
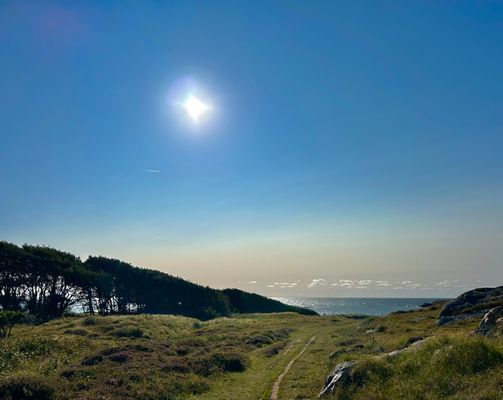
(48, 283)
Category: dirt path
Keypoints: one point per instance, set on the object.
(277, 383)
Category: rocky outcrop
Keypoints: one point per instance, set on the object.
(340, 376)
(474, 303)
(489, 323)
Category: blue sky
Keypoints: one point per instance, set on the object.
(347, 141)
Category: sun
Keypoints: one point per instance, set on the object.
(195, 108)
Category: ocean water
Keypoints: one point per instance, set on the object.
(367, 306)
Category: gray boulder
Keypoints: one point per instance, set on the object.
(474, 303)
(489, 322)
(340, 376)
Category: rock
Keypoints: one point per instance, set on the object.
(489, 321)
(474, 303)
(340, 376)
(417, 343)
(412, 343)
(413, 339)
(498, 329)
(395, 353)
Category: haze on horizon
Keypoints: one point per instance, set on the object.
(291, 149)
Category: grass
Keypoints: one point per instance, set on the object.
(156, 357)
(451, 364)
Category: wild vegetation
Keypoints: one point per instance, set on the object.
(451, 362)
(173, 357)
(48, 283)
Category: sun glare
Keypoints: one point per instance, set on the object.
(195, 108)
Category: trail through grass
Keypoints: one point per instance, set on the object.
(247, 357)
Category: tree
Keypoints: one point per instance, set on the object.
(7, 321)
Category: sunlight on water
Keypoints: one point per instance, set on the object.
(368, 306)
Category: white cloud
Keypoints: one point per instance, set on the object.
(252, 282)
(365, 282)
(383, 283)
(153, 171)
(317, 282)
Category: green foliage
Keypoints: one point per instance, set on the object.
(469, 356)
(449, 366)
(7, 321)
(219, 362)
(51, 284)
(128, 332)
(26, 388)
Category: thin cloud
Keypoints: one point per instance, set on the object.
(252, 282)
(152, 171)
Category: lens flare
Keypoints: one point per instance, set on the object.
(195, 108)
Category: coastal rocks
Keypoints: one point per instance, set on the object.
(474, 303)
(413, 343)
(489, 323)
(340, 376)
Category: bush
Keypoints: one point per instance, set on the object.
(128, 332)
(7, 321)
(26, 388)
(469, 356)
(88, 321)
(371, 370)
(78, 332)
(274, 349)
(93, 360)
(220, 362)
(120, 358)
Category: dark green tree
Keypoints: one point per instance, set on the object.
(7, 320)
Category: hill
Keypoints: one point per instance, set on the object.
(165, 357)
(48, 283)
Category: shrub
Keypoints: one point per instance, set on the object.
(78, 332)
(35, 346)
(220, 362)
(274, 349)
(26, 388)
(469, 356)
(371, 370)
(7, 321)
(174, 364)
(259, 340)
(128, 332)
(93, 360)
(121, 357)
(88, 321)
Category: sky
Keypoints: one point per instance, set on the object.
(349, 149)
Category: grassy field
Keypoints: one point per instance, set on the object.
(167, 357)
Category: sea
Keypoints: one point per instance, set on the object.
(365, 306)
